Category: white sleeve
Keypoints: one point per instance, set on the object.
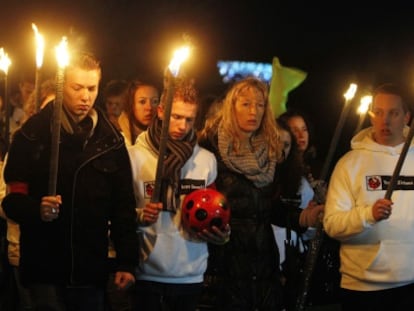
(343, 219)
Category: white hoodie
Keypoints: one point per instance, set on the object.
(374, 255)
(168, 253)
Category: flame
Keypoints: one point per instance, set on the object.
(350, 93)
(180, 56)
(40, 46)
(364, 104)
(62, 54)
(5, 61)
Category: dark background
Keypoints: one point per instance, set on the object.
(362, 42)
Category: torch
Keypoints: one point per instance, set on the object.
(40, 46)
(170, 75)
(62, 57)
(4, 66)
(349, 95)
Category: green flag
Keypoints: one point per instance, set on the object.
(284, 79)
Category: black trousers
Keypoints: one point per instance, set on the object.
(398, 299)
(154, 296)
(46, 297)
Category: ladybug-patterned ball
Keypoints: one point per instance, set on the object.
(204, 208)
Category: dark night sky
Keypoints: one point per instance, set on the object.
(335, 45)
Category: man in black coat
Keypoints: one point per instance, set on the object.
(64, 237)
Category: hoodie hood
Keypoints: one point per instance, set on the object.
(364, 140)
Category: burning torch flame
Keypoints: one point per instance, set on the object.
(180, 56)
(364, 104)
(5, 61)
(62, 54)
(40, 46)
(350, 93)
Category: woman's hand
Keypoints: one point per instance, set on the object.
(215, 235)
(311, 215)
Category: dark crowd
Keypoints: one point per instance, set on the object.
(98, 182)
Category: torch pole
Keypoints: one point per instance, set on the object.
(37, 90)
(7, 112)
(360, 123)
(55, 128)
(334, 141)
(156, 195)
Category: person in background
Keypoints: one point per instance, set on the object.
(18, 99)
(2, 120)
(300, 126)
(22, 297)
(324, 288)
(3, 144)
(376, 233)
(294, 191)
(173, 259)
(243, 136)
(115, 99)
(13, 296)
(142, 101)
(47, 94)
(63, 240)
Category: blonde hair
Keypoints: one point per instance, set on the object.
(226, 117)
(84, 60)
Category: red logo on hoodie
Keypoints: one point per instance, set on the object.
(149, 189)
(373, 182)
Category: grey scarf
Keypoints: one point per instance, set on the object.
(255, 164)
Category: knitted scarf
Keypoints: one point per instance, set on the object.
(177, 154)
(254, 164)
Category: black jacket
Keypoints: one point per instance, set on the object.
(95, 183)
(244, 273)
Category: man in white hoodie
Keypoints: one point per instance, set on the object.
(376, 234)
(173, 261)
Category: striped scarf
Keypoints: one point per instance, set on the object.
(177, 154)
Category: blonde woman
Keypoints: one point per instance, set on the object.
(244, 138)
